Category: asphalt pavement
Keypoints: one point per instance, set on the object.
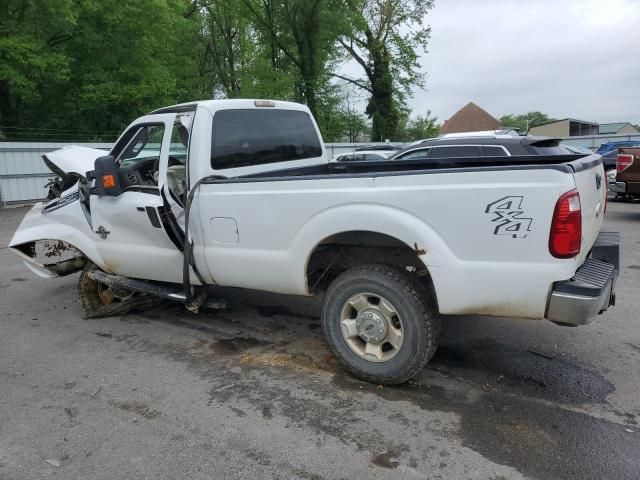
(253, 393)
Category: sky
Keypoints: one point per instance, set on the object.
(566, 58)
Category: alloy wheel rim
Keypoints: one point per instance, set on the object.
(372, 327)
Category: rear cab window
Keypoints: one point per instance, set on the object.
(248, 137)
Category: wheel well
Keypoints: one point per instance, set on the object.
(59, 257)
(346, 250)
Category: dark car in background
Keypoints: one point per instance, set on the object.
(577, 149)
(497, 145)
(363, 156)
(379, 147)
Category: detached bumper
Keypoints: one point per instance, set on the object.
(579, 300)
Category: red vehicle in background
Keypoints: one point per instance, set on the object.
(627, 182)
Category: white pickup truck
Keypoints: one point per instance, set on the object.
(241, 193)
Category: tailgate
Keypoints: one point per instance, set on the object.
(591, 183)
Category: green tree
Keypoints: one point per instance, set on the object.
(384, 39)
(82, 69)
(304, 31)
(128, 58)
(356, 126)
(523, 122)
(227, 44)
(337, 118)
(238, 58)
(32, 36)
(422, 127)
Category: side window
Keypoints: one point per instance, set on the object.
(145, 144)
(372, 157)
(242, 138)
(178, 153)
(494, 151)
(456, 151)
(179, 140)
(421, 154)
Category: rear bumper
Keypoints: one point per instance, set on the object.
(632, 188)
(579, 300)
(618, 187)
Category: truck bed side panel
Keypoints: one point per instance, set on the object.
(485, 233)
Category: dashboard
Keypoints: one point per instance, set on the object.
(144, 172)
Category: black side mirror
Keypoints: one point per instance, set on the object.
(106, 177)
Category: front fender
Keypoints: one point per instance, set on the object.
(67, 224)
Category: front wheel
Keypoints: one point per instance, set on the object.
(381, 323)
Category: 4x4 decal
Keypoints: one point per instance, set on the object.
(508, 214)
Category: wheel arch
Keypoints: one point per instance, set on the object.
(382, 225)
(65, 240)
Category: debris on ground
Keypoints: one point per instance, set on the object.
(97, 391)
(226, 387)
(540, 354)
(53, 462)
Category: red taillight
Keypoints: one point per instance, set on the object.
(623, 162)
(566, 227)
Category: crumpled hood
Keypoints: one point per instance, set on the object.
(72, 159)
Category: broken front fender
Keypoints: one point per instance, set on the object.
(55, 243)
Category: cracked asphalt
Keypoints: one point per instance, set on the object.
(252, 391)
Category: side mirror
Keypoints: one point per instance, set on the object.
(106, 177)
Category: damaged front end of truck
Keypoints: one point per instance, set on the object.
(55, 237)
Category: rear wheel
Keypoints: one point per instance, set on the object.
(100, 300)
(381, 323)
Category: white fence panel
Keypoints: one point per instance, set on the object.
(23, 174)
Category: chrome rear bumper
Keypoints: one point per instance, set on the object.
(579, 300)
(618, 187)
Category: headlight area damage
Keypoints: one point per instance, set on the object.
(51, 258)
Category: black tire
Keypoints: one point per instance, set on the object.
(94, 305)
(415, 305)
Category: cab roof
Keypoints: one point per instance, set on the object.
(231, 104)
